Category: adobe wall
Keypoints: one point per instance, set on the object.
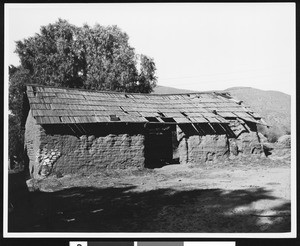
(32, 143)
(200, 149)
(54, 151)
(195, 148)
(88, 153)
(247, 139)
(59, 148)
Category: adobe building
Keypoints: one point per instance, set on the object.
(82, 131)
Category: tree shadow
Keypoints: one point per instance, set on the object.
(124, 209)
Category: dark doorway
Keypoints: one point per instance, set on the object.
(158, 146)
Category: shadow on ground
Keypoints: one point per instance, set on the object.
(90, 209)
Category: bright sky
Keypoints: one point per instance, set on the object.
(197, 46)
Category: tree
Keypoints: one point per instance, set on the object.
(98, 58)
(15, 141)
(64, 55)
(18, 77)
(147, 79)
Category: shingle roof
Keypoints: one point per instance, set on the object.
(51, 105)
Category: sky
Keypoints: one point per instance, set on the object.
(195, 46)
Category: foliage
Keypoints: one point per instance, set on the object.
(49, 56)
(18, 78)
(98, 58)
(15, 140)
(64, 55)
(272, 134)
(147, 76)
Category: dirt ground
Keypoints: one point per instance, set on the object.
(241, 195)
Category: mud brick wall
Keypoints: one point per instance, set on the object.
(207, 148)
(88, 153)
(200, 149)
(247, 139)
(182, 149)
(195, 148)
(32, 143)
(81, 153)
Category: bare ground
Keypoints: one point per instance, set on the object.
(241, 195)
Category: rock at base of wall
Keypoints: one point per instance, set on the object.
(46, 184)
(32, 185)
(233, 147)
(50, 184)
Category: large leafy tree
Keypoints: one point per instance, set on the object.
(18, 77)
(96, 57)
(64, 55)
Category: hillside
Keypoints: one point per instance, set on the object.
(273, 106)
(169, 90)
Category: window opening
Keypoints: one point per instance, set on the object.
(152, 119)
(168, 119)
(212, 128)
(199, 129)
(113, 117)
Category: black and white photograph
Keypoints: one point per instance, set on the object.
(157, 119)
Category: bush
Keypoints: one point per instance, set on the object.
(16, 143)
(287, 132)
(272, 133)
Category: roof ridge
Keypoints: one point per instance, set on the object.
(124, 93)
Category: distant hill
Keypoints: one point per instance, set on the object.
(273, 106)
(169, 90)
